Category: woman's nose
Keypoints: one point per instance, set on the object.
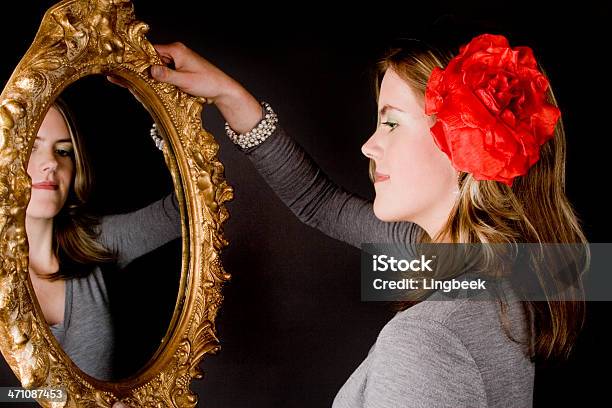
(48, 163)
(371, 148)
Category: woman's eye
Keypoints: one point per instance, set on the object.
(391, 125)
(64, 152)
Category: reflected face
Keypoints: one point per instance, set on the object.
(414, 179)
(51, 167)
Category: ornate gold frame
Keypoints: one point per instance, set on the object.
(79, 38)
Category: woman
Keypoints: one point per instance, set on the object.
(69, 249)
(469, 148)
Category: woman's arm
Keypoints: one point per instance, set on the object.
(291, 173)
(317, 201)
(137, 233)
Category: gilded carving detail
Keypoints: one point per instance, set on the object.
(79, 38)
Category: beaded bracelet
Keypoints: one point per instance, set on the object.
(254, 137)
(159, 142)
(259, 133)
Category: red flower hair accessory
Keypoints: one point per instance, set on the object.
(491, 110)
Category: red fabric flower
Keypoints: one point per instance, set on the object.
(491, 109)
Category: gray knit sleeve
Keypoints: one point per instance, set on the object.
(137, 233)
(317, 201)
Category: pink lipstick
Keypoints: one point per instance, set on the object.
(380, 177)
(46, 185)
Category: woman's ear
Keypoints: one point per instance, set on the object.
(431, 120)
(457, 189)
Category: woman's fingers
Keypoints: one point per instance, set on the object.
(184, 58)
(166, 60)
(116, 80)
(192, 73)
(165, 49)
(178, 53)
(122, 83)
(188, 71)
(171, 76)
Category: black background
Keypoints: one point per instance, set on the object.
(292, 326)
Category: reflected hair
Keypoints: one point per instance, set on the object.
(534, 210)
(75, 232)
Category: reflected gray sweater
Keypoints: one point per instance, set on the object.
(435, 354)
(86, 333)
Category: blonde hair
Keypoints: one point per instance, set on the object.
(74, 229)
(534, 210)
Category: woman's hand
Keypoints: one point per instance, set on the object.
(198, 77)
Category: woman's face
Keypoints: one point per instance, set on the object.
(51, 167)
(414, 179)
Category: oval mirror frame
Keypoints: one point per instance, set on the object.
(78, 38)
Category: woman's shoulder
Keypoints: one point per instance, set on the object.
(473, 334)
(420, 358)
(460, 344)
(449, 313)
(473, 316)
(437, 325)
(475, 323)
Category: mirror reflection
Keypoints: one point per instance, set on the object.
(104, 230)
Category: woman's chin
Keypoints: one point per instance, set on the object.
(41, 213)
(388, 213)
(384, 213)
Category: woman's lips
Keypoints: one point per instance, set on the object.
(380, 177)
(45, 186)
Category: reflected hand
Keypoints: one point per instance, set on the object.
(122, 83)
(117, 81)
(196, 76)
(120, 404)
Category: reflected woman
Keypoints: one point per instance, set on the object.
(69, 248)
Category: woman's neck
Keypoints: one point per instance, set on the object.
(40, 240)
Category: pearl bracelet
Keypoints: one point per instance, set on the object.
(259, 133)
(159, 142)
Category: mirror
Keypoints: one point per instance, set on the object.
(77, 41)
(126, 196)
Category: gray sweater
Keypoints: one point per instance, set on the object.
(435, 354)
(439, 353)
(86, 333)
